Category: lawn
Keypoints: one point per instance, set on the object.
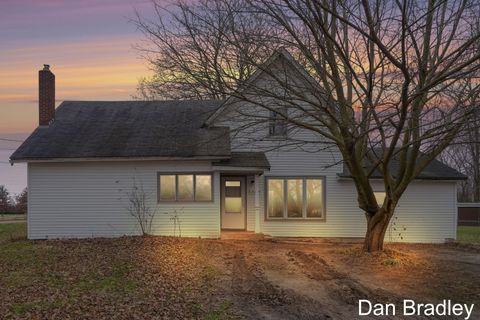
(103, 278)
(180, 278)
(468, 234)
(12, 231)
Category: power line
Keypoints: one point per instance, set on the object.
(12, 140)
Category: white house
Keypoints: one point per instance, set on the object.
(202, 175)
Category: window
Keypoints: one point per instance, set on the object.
(233, 197)
(167, 188)
(275, 198)
(295, 198)
(184, 187)
(314, 198)
(203, 187)
(380, 197)
(278, 125)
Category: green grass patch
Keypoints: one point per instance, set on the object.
(22, 308)
(391, 262)
(468, 234)
(116, 282)
(222, 313)
(54, 267)
(13, 231)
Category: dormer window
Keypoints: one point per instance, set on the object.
(278, 124)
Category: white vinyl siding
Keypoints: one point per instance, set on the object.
(77, 200)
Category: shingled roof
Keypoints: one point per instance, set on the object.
(435, 170)
(133, 129)
(245, 159)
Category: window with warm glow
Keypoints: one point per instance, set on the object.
(275, 198)
(184, 187)
(380, 197)
(233, 197)
(203, 187)
(295, 198)
(167, 188)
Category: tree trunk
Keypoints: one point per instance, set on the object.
(376, 228)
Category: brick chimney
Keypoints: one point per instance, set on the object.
(46, 96)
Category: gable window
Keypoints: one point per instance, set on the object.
(295, 198)
(277, 124)
(184, 187)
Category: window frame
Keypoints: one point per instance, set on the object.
(176, 174)
(275, 119)
(304, 217)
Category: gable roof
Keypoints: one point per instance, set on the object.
(280, 53)
(133, 129)
(435, 170)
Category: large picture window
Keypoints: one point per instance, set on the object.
(184, 187)
(295, 198)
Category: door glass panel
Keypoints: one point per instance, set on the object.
(295, 198)
(275, 198)
(233, 197)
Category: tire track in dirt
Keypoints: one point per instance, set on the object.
(258, 298)
(341, 288)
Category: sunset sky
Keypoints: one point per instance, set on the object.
(88, 44)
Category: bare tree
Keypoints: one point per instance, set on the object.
(382, 82)
(464, 155)
(139, 207)
(200, 51)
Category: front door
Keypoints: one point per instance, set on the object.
(233, 203)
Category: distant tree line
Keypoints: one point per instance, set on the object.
(12, 204)
(464, 155)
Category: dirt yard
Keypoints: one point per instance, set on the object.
(174, 278)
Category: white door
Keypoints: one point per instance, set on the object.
(233, 203)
